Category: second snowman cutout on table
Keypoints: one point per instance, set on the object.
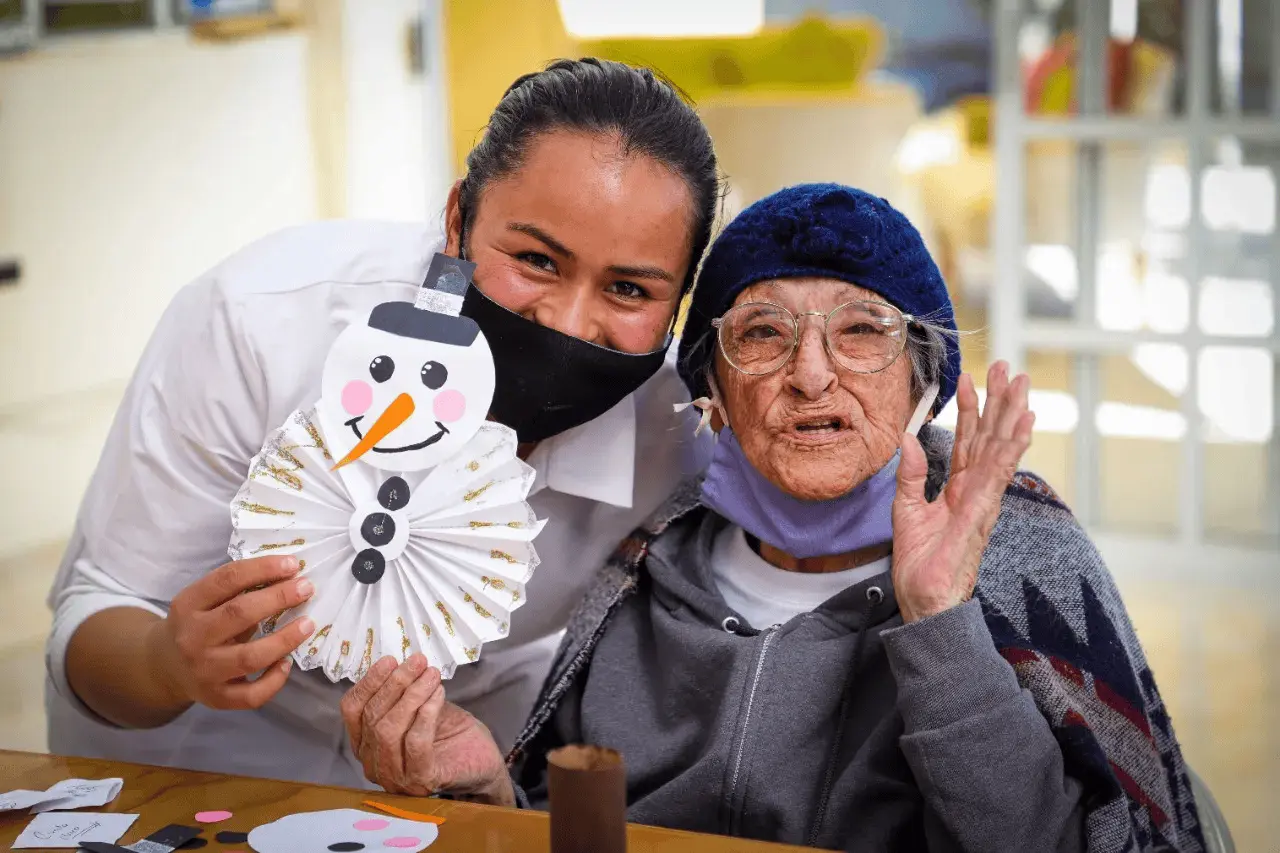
(342, 831)
(404, 505)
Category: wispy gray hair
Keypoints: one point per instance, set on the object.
(927, 347)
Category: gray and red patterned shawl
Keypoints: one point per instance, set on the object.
(1055, 615)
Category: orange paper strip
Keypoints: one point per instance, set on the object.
(405, 813)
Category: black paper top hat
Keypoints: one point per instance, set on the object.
(434, 316)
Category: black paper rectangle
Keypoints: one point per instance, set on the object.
(103, 847)
(449, 275)
(174, 835)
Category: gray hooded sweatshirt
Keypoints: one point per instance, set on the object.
(842, 729)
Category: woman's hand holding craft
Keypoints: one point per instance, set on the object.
(204, 650)
(412, 741)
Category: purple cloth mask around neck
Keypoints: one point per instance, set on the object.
(858, 519)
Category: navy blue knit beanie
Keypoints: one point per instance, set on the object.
(818, 231)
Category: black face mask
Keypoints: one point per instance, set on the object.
(547, 381)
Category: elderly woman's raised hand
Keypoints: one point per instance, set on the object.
(938, 546)
(412, 741)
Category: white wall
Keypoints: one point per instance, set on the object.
(764, 146)
(386, 170)
(128, 165)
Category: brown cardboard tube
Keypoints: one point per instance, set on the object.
(588, 788)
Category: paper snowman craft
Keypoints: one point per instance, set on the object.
(403, 505)
(342, 831)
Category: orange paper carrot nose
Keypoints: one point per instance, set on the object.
(397, 413)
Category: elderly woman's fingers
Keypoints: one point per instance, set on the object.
(1015, 406)
(1022, 435)
(419, 746)
(966, 422)
(390, 732)
(353, 703)
(997, 384)
(377, 707)
(913, 471)
(391, 690)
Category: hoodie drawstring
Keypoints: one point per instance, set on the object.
(874, 597)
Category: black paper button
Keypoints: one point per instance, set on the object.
(378, 529)
(369, 565)
(394, 493)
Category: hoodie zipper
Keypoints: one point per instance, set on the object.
(746, 725)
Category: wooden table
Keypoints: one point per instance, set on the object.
(161, 796)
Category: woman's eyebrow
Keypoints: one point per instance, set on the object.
(657, 273)
(542, 236)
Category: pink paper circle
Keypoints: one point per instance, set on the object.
(449, 405)
(402, 841)
(212, 817)
(357, 397)
(370, 824)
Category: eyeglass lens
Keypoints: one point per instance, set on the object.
(866, 337)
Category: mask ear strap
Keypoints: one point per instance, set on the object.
(923, 408)
(706, 405)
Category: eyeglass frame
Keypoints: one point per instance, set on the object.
(907, 320)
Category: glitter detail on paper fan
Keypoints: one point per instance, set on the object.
(455, 545)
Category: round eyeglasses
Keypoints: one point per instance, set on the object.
(760, 337)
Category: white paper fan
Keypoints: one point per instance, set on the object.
(454, 546)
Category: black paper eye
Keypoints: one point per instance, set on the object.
(434, 375)
(381, 368)
(346, 847)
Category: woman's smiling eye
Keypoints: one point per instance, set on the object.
(628, 290)
(538, 261)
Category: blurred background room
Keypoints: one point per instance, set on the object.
(1097, 179)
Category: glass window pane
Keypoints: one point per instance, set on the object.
(1236, 307)
(1140, 48)
(1141, 207)
(1051, 276)
(1136, 434)
(1051, 453)
(1140, 427)
(1237, 397)
(1238, 197)
(10, 11)
(1243, 73)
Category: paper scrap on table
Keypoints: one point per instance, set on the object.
(69, 829)
(67, 794)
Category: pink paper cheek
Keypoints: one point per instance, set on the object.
(357, 397)
(371, 824)
(449, 406)
(403, 841)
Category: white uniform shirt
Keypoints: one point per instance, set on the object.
(234, 354)
(766, 595)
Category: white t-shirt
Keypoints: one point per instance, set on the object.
(237, 351)
(766, 595)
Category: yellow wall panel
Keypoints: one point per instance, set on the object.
(488, 45)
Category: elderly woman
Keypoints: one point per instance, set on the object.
(842, 636)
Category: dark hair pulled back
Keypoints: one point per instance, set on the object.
(648, 115)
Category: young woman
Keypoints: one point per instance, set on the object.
(586, 207)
